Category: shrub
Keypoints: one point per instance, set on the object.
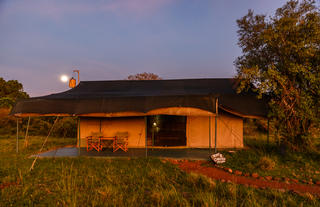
(266, 163)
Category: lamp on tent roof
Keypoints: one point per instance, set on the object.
(72, 81)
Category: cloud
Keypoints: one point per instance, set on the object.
(57, 9)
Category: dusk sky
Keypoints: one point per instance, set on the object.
(110, 39)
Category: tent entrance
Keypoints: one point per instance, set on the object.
(166, 130)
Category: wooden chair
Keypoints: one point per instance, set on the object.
(121, 141)
(93, 143)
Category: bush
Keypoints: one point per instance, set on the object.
(65, 127)
(266, 163)
(39, 126)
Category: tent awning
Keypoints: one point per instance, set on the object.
(143, 97)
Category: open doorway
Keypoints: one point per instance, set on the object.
(166, 130)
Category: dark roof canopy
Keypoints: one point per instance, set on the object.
(143, 96)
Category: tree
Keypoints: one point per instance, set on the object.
(144, 76)
(10, 91)
(281, 59)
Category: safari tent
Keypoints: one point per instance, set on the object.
(190, 113)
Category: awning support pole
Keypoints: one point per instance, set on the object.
(210, 134)
(17, 147)
(152, 138)
(79, 137)
(268, 132)
(146, 130)
(26, 138)
(215, 127)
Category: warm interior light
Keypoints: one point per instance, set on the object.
(64, 78)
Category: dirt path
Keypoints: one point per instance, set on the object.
(219, 174)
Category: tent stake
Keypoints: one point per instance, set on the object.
(26, 138)
(17, 147)
(45, 141)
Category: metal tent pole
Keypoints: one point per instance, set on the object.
(146, 130)
(77, 71)
(17, 147)
(215, 127)
(210, 134)
(79, 139)
(152, 138)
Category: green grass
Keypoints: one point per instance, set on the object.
(119, 182)
(295, 165)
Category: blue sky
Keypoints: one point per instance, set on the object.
(110, 39)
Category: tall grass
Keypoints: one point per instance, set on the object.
(269, 159)
(120, 182)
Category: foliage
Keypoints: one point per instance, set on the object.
(266, 160)
(281, 59)
(144, 76)
(65, 127)
(10, 91)
(266, 163)
(6, 102)
(39, 126)
(119, 182)
(253, 126)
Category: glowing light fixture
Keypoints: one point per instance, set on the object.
(72, 83)
(64, 78)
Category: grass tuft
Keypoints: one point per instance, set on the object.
(266, 163)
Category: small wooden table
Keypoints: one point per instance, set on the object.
(103, 144)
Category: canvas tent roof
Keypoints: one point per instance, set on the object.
(144, 95)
